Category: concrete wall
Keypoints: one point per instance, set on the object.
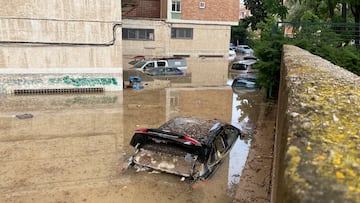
(60, 34)
(71, 139)
(318, 132)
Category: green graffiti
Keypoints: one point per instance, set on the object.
(83, 81)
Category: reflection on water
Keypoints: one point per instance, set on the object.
(69, 150)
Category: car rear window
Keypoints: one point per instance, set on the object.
(239, 66)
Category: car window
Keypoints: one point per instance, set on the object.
(213, 155)
(139, 64)
(159, 71)
(219, 144)
(150, 65)
(230, 135)
(239, 66)
(238, 83)
(217, 150)
(161, 63)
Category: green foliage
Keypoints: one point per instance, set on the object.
(261, 9)
(347, 57)
(269, 50)
(239, 34)
(311, 34)
(319, 39)
(309, 16)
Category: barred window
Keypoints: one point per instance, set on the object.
(181, 33)
(137, 34)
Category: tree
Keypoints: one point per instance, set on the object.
(260, 9)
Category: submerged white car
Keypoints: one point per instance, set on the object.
(244, 49)
(232, 54)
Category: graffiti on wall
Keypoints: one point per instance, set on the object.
(83, 81)
(22, 82)
(9, 82)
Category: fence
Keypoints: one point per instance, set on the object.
(333, 34)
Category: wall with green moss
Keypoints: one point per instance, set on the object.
(317, 150)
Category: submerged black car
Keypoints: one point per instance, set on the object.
(189, 147)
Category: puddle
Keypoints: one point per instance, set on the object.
(71, 147)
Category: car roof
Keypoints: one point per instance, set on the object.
(245, 62)
(197, 128)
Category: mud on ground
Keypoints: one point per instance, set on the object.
(255, 182)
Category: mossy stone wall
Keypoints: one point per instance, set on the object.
(317, 150)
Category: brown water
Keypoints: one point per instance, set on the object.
(69, 151)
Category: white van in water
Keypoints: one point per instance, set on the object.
(147, 64)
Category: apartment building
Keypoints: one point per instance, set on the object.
(197, 29)
(243, 12)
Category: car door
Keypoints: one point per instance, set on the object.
(222, 144)
(218, 149)
(230, 135)
(149, 66)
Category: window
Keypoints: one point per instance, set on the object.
(137, 34)
(219, 144)
(176, 6)
(161, 63)
(242, 14)
(181, 33)
(230, 135)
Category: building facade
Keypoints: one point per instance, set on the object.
(198, 30)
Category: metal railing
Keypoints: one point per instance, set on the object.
(334, 34)
(58, 91)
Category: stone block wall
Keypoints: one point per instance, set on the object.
(60, 34)
(317, 156)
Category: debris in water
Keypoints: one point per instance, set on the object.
(24, 116)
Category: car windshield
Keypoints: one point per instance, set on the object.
(139, 64)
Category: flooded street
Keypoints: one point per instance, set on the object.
(70, 150)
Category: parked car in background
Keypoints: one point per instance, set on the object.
(244, 49)
(232, 54)
(148, 64)
(185, 146)
(243, 84)
(252, 58)
(165, 71)
(242, 67)
(232, 46)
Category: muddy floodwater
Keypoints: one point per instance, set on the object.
(67, 148)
